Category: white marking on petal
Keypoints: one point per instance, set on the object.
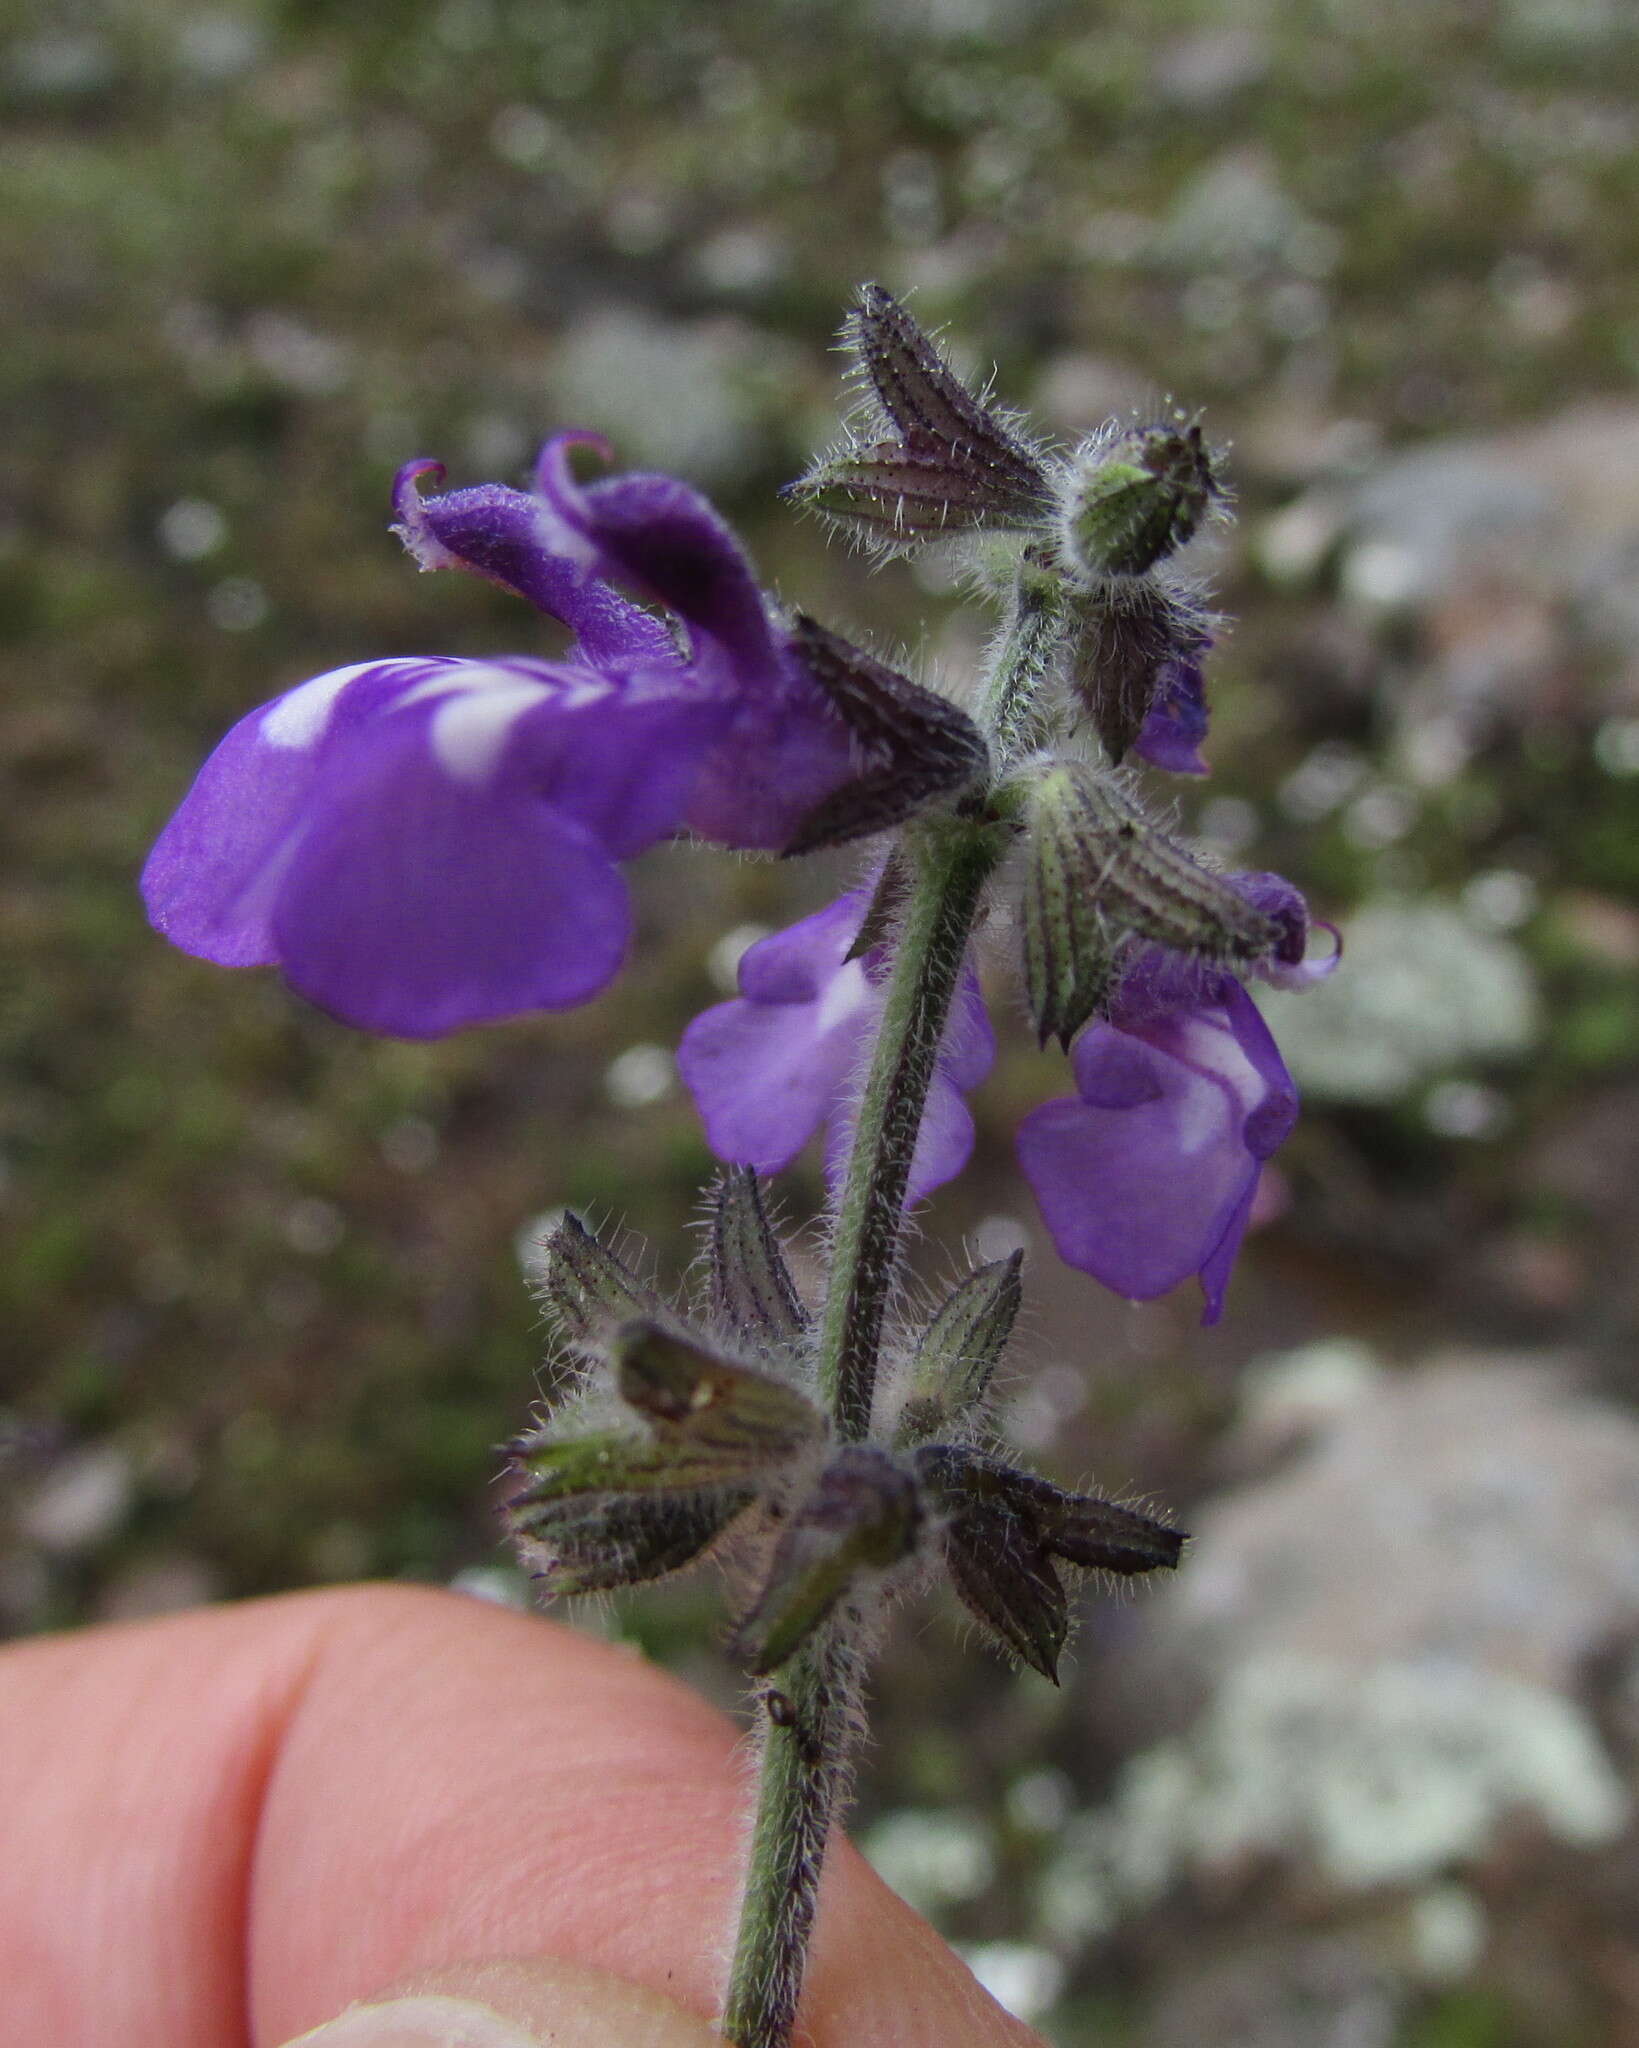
(300, 716)
(1219, 1070)
(1197, 1115)
(570, 688)
(843, 997)
(470, 731)
(557, 537)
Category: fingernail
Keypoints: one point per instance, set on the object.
(422, 2022)
(514, 2002)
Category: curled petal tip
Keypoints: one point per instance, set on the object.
(1299, 974)
(406, 495)
(411, 527)
(553, 476)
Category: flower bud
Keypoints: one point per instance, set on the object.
(1134, 501)
(862, 1517)
(959, 1351)
(1099, 869)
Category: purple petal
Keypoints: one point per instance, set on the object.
(1156, 983)
(1289, 966)
(798, 964)
(768, 1069)
(210, 881)
(1176, 724)
(618, 753)
(787, 748)
(969, 1049)
(463, 814)
(945, 1143)
(510, 538)
(1147, 1177)
(665, 539)
(418, 902)
(1220, 1262)
(1120, 1195)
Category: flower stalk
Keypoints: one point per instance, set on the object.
(815, 1726)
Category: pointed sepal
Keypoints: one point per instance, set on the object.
(578, 1546)
(609, 1463)
(898, 494)
(960, 1350)
(1007, 1583)
(751, 1291)
(1002, 1531)
(858, 1521)
(934, 458)
(585, 1289)
(888, 899)
(912, 746)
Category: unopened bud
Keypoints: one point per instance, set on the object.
(1134, 501)
(960, 1350)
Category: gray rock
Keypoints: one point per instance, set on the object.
(1423, 990)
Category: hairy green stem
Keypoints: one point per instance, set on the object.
(812, 1709)
(952, 861)
(813, 1701)
(1009, 709)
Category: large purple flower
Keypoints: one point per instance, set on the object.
(1148, 1174)
(768, 1069)
(426, 844)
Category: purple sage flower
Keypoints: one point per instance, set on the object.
(1148, 1174)
(423, 844)
(768, 1069)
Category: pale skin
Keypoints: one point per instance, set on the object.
(223, 1827)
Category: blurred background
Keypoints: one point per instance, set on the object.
(1364, 1774)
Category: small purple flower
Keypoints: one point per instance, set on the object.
(768, 1069)
(422, 844)
(1149, 1174)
